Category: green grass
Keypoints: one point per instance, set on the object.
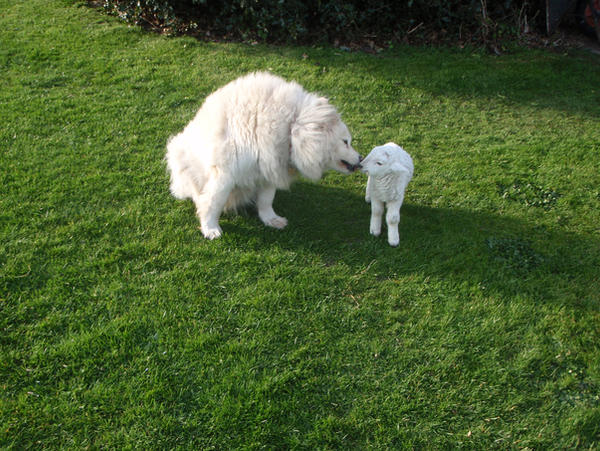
(120, 327)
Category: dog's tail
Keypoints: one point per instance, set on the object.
(178, 164)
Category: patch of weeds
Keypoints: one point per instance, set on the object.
(514, 253)
(529, 194)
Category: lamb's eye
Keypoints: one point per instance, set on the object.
(345, 142)
(379, 163)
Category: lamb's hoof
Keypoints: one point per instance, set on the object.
(394, 243)
(375, 232)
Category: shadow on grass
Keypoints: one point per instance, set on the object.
(545, 81)
(499, 253)
(537, 79)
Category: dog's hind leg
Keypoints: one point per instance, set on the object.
(264, 203)
(211, 201)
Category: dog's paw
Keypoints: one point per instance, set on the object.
(212, 233)
(277, 222)
(368, 199)
(375, 231)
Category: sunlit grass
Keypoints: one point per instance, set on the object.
(120, 327)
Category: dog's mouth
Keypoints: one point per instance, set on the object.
(349, 166)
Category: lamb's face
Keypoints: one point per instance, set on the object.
(378, 162)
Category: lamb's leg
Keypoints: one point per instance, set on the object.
(210, 203)
(392, 219)
(376, 214)
(264, 203)
(368, 191)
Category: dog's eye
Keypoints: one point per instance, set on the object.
(345, 142)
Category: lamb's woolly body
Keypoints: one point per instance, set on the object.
(386, 188)
(250, 136)
(390, 169)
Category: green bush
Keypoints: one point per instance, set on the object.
(328, 20)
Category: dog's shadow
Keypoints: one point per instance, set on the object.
(498, 252)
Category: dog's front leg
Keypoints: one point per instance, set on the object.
(264, 204)
(210, 203)
(392, 219)
(376, 214)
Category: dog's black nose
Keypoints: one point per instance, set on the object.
(358, 166)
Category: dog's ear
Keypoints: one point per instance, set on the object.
(307, 150)
(310, 133)
(318, 114)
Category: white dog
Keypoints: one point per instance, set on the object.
(390, 168)
(249, 139)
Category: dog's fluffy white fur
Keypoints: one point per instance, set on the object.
(249, 139)
(390, 168)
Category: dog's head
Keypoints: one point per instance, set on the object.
(387, 159)
(321, 141)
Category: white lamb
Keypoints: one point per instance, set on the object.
(390, 168)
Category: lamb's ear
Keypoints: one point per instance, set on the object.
(397, 168)
(307, 151)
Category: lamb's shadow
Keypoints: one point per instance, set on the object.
(498, 252)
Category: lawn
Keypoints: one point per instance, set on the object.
(121, 327)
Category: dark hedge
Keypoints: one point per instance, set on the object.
(334, 20)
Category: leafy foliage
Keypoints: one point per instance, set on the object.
(514, 253)
(529, 194)
(328, 20)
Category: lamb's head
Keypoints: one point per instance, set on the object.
(387, 159)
